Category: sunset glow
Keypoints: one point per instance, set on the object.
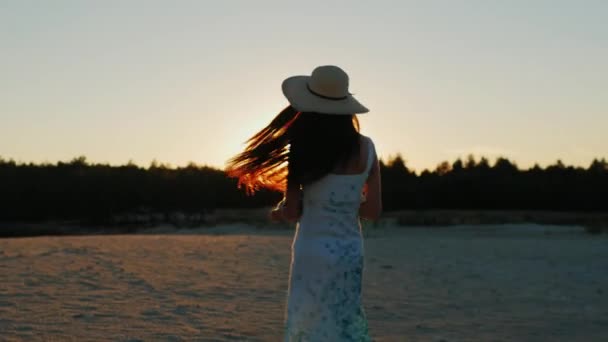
(138, 81)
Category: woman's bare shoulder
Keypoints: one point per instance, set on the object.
(364, 138)
(366, 141)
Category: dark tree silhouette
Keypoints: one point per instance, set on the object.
(79, 190)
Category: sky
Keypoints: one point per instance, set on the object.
(182, 81)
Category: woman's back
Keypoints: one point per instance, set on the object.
(330, 206)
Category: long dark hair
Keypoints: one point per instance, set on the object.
(296, 148)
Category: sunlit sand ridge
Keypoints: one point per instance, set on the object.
(489, 283)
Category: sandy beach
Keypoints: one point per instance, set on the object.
(462, 283)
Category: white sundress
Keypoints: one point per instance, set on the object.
(324, 294)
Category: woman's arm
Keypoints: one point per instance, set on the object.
(290, 208)
(371, 208)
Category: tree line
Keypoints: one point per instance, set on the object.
(478, 184)
(79, 190)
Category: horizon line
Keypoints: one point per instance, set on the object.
(491, 161)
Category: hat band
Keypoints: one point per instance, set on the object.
(325, 97)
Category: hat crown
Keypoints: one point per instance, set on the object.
(330, 81)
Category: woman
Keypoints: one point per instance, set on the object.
(330, 177)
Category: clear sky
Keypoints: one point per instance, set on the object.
(182, 81)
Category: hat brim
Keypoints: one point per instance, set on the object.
(296, 91)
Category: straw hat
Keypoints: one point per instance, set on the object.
(325, 91)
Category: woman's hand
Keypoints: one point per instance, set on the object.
(277, 214)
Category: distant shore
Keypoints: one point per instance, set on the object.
(256, 219)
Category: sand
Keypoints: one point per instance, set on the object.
(463, 283)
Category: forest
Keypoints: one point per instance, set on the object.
(95, 193)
